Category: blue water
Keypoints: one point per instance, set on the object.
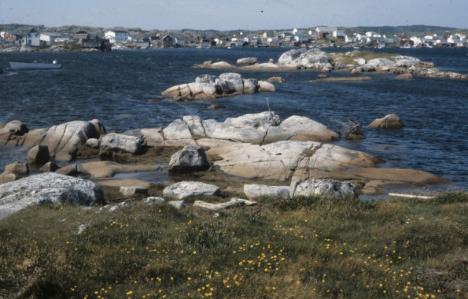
(123, 90)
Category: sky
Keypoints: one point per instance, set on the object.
(234, 14)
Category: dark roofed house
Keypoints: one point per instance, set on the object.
(168, 41)
(80, 35)
(95, 42)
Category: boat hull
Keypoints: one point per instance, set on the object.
(23, 66)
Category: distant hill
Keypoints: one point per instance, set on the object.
(413, 29)
(406, 29)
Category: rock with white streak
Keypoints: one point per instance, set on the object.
(390, 121)
(186, 189)
(214, 207)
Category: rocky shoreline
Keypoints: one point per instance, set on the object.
(354, 62)
(252, 156)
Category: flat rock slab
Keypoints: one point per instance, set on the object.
(104, 169)
(47, 188)
(125, 183)
(187, 189)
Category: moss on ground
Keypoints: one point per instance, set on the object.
(308, 248)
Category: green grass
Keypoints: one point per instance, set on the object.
(367, 55)
(309, 248)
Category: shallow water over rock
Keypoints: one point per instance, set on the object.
(123, 89)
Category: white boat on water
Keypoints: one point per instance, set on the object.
(23, 66)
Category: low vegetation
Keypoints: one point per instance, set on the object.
(307, 248)
(367, 55)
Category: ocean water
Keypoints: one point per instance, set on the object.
(123, 89)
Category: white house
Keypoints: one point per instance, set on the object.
(117, 36)
(49, 38)
(456, 40)
(32, 39)
(417, 41)
(341, 35)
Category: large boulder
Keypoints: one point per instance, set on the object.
(47, 188)
(329, 189)
(309, 59)
(185, 189)
(230, 83)
(38, 155)
(300, 128)
(265, 86)
(190, 158)
(390, 121)
(121, 143)
(255, 191)
(63, 140)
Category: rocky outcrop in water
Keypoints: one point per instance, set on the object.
(390, 121)
(256, 128)
(306, 59)
(208, 87)
(47, 188)
(354, 62)
(62, 141)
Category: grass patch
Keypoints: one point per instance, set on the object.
(309, 248)
(367, 55)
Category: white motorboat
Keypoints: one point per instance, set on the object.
(23, 66)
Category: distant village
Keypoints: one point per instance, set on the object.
(30, 38)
